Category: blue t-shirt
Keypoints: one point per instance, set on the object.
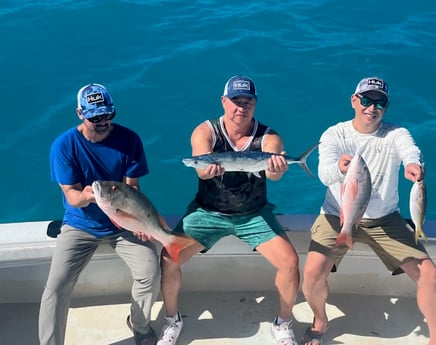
(74, 159)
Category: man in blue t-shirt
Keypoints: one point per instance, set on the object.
(97, 149)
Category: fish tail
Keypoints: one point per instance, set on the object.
(344, 238)
(302, 159)
(177, 244)
(419, 232)
(341, 217)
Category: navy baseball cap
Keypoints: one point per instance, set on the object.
(93, 99)
(372, 84)
(240, 85)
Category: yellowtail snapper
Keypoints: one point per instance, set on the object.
(418, 207)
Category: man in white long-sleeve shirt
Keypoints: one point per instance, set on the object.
(384, 147)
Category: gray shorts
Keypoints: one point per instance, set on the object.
(209, 227)
(391, 238)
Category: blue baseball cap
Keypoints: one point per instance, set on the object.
(93, 99)
(240, 85)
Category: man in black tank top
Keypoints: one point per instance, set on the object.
(235, 203)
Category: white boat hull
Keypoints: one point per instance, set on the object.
(25, 256)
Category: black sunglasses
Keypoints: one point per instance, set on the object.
(98, 118)
(378, 103)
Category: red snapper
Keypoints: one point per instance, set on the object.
(130, 209)
(355, 194)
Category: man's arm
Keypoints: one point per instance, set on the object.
(201, 143)
(332, 165)
(277, 165)
(77, 196)
(133, 182)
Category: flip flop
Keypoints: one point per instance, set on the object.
(312, 337)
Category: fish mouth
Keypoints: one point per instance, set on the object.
(96, 187)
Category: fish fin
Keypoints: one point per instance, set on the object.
(341, 217)
(164, 223)
(256, 173)
(116, 224)
(344, 238)
(419, 232)
(177, 243)
(306, 169)
(124, 215)
(302, 159)
(341, 210)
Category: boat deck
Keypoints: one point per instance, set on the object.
(229, 318)
(227, 294)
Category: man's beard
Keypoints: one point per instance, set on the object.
(101, 129)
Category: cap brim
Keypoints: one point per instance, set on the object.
(241, 94)
(87, 114)
(378, 91)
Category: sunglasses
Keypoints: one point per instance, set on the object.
(99, 118)
(378, 103)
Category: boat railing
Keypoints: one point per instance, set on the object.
(26, 250)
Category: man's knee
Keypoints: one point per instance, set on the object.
(428, 271)
(317, 267)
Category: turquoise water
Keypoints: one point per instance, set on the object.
(166, 62)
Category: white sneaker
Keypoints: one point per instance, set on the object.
(283, 334)
(171, 330)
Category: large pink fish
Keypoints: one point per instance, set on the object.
(355, 194)
(130, 209)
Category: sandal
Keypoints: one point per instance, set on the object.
(313, 337)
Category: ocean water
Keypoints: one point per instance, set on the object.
(166, 62)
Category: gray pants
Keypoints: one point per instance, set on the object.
(74, 249)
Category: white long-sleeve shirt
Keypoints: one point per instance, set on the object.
(383, 151)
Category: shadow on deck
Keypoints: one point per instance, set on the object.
(227, 318)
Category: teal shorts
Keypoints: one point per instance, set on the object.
(209, 227)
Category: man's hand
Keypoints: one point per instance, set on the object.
(211, 171)
(344, 163)
(414, 172)
(142, 236)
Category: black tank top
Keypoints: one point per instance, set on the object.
(234, 192)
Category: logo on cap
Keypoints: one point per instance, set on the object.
(95, 98)
(377, 83)
(241, 85)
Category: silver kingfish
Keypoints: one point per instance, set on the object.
(245, 161)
